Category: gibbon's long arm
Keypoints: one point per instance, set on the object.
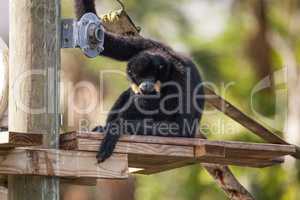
(116, 46)
(84, 6)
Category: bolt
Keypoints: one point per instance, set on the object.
(66, 26)
(85, 22)
(85, 49)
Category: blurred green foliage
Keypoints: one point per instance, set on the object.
(189, 27)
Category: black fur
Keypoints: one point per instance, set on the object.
(151, 60)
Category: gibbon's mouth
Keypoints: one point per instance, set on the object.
(146, 88)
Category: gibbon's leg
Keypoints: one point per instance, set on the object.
(116, 109)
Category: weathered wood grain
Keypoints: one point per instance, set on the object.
(11, 139)
(3, 193)
(243, 162)
(152, 153)
(60, 163)
(4, 120)
(289, 149)
(34, 64)
(227, 181)
(164, 167)
(79, 181)
(91, 141)
(140, 148)
(4, 81)
(243, 150)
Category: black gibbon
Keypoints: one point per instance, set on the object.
(166, 93)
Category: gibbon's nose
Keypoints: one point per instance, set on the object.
(147, 87)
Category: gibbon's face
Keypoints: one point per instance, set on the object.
(147, 74)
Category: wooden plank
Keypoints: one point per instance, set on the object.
(3, 193)
(3, 83)
(139, 161)
(11, 140)
(243, 162)
(186, 162)
(176, 141)
(60, 163)
(152, 153)
(79, 181)
(34, 64)
(91, 142)
(165, 167)
(243, 150)
(4, 120)
(140, 148)
(155, 162)
(143, 155)
(228, 109)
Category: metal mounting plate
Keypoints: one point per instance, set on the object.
(87, 34)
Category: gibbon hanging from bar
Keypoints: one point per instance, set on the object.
(166, 96)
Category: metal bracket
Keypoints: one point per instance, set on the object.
(87, 34)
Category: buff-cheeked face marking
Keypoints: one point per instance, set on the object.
(157, 86)
(135, 88)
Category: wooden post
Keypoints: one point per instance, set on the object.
(33, 90)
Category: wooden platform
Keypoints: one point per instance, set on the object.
(149, 154)
(61, 163)
(136, 154)
(12, 140)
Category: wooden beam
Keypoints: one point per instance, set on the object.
(79, 181)
(228, 109)
(139, 148)
(3, 193)
(242, 150)
(147, 170)
(34, 60)
(4, 120)
(228, 150)
(11, 139)
(161, 140)
(158, 153)
(90, 141)
(226, 180)
(60, 163)
(4, 59)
